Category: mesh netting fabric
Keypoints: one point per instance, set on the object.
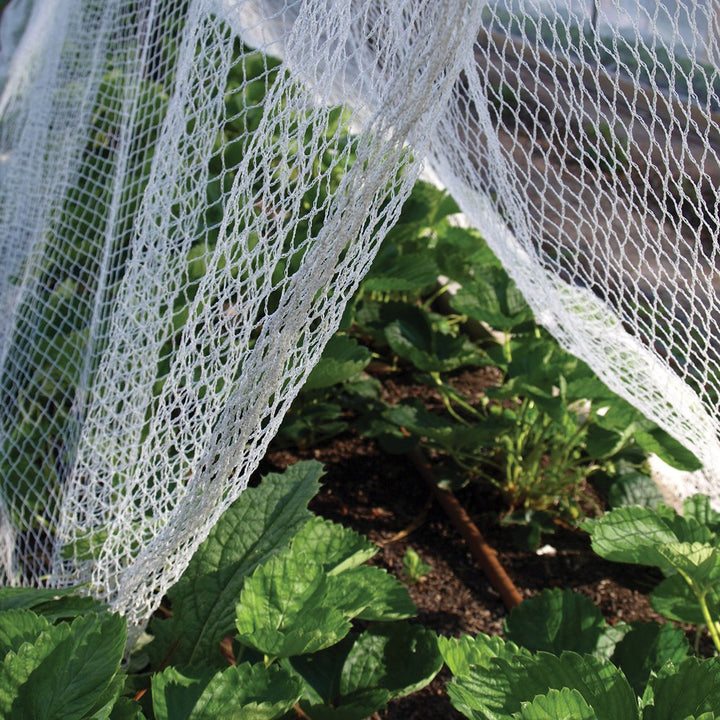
(191, 190)
(184, 219)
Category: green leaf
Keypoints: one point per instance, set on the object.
(372, 317)
(245, 692)
(284, 608)
(631, 535)
(562, 704)
(306, 423)
(393, 272)
(492, 297)
(413, 337)
(389, 598)
(65, 671)
(646, 648)
(463, 653)
(611, 636)
(615, 428)
(335, 547)
(68, 607)
(85, 548)
(361, 674)
(688, 689)
(320, 672)
(556, 620)
(541, 362)
(79, 670)
(18, 666)
(668, 449)
(124, 709)
(248, 692)
(426, 206)
(398, 657)
(688, 529)
(603, 443)
(390, 436)
(356, 706)
(467, 702)
(698, 507)
(500, 690)
(590, 388)
(257, 526)
(18, 627)
(675, 599)
(459, 251)
(342, 359)
(634, 489)
(108, 707)
(698, 561)
(174, 695)
(302, 601)
(29, 598)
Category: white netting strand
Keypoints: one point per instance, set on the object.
(190, 190)
(183, 253)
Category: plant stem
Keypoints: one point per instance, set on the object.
(440, 291)
(507, 347)
(574, 439)
(712, 625)
(473, 469)
(448, 395)
(524, 407)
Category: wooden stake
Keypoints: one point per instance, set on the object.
(482, 552)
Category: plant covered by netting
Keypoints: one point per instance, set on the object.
(191, 190)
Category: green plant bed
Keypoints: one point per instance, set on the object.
(277, 608)
(537, 436)
(279, 615)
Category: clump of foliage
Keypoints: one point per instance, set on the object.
(685, 547)
(61, 656)
(279, 613)
(536, 437)
(556, 621)
(561, 659)
(277, 607)
(497, 680)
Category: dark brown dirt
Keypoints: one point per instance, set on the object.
(383, 496)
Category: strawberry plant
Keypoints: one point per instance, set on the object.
(497, 680)
(556, 621)
(685, 547)
(536, 437)
(61, 658)
(548, 425)
(414, 569)
(277, 608)
(560, 658)
(293, 611)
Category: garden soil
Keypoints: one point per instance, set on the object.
(383, 497)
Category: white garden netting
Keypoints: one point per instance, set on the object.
(183, 218)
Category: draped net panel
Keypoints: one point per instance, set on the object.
(190, 190)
